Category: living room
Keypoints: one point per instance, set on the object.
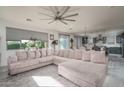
(51, 39)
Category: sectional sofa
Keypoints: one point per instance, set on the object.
(84, 68)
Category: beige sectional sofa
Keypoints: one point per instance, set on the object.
(84, 68)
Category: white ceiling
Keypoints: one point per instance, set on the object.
(90, 18)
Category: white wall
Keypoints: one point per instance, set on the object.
(3, 44)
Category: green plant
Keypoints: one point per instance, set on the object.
(39, 44)
(23, 45)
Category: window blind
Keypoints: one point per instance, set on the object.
(21, 34)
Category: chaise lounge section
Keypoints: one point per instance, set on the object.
(82, 74)
(88, 72)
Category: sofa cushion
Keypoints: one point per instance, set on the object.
(45, 59)
(86, 55)
(33, 61)
(71, 54)
(61, 53)
(25, 63)
(44, 52)
(63, 59)
(98, 57)
(49, 58)
(78, 54)
(38, 53)
(58, 58)
(49, 52)
(31, 54)
(21, 55)
(56, 52)
(66, 53)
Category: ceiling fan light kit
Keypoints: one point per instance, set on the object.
(59, 14)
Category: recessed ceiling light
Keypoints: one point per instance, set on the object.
(28, 19)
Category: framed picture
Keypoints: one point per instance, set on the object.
(51, 37)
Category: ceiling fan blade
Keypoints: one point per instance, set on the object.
(63, 22)
(65, 11)
(70, 15)
(51, 21)
(51, 8)
(46, 14)
(69, 19)
(57, 11)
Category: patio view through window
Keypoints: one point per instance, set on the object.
(26, 44)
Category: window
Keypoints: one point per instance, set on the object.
(26, 44)
(25, 39)
(64, 41)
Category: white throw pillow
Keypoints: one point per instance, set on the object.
(71, 54)
(31, 54)
(61, 53)
(98, 57)
(38, 53)
(56, 52)
(49, 52)
(86, 55)
(66, 53)
(44, 52)
(78, 54)
(21, 55)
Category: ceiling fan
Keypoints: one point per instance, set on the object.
(59, 14)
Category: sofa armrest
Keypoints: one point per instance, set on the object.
(12, 59)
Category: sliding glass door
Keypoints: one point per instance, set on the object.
(64, 41)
